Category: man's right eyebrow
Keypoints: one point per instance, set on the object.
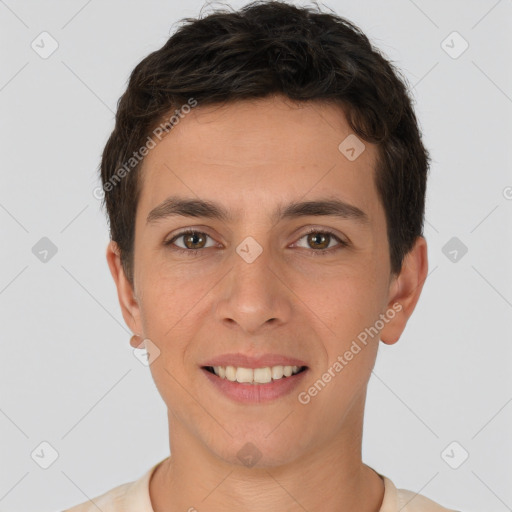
(177, 206)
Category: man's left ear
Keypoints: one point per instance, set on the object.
(405, 291)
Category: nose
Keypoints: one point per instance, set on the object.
(253, 296)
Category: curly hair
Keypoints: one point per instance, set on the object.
(264, 48)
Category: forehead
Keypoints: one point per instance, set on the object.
(250, 155)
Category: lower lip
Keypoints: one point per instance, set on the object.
(255, 393)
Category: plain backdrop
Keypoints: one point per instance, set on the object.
(439, 411)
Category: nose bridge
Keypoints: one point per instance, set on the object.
(252, 296)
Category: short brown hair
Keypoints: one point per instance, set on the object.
(270, 47)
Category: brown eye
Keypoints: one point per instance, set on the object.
(190, 241)
(194, 240)
(319, 240)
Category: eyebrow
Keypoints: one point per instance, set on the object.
(179, 206)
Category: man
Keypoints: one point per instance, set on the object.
(265, 185)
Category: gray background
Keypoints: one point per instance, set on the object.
(68, 374)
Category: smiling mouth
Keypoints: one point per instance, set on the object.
(255, 376)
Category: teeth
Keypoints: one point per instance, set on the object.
(262, 375)
(230, 373)
(277, 372)
(256, 375)
(244, 375)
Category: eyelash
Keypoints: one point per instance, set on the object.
(321, 252)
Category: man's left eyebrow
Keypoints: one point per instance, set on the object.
(179, 206)
(326, 207)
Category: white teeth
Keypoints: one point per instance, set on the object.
(230, 373)
(256, 375)
(244, 375)
(262, 375)
(220, 371)
(277, 372)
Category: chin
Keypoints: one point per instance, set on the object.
(261, 450)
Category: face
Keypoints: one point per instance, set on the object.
(299, 282)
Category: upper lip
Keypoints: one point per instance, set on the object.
(247, 361)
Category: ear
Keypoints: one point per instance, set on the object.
(405, 290)
(125, 293)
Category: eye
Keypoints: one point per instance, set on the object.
(320, 241)
(193, 240)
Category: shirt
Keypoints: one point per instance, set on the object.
(134, 497)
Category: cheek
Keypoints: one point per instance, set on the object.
(168, 307)
(169, 312)
(171, 291)
(350, 307)
(344, 299)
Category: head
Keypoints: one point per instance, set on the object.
(241, 116)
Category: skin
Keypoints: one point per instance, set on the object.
(251, 156)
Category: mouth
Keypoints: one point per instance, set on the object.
(255, 376)
(255, 386)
